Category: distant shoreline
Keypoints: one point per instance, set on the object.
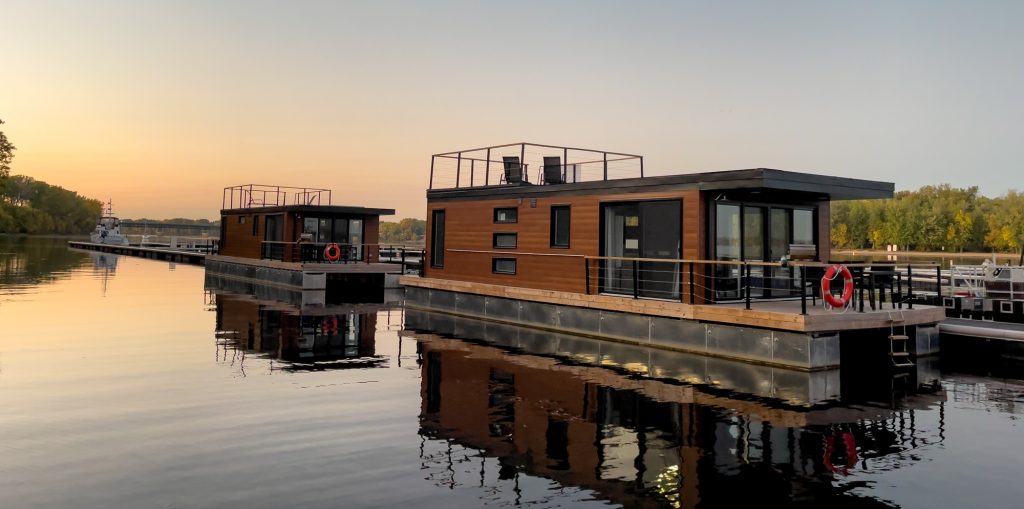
(930, 254)
(47, 235)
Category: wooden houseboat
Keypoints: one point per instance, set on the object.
(296, 238)
(582, 240)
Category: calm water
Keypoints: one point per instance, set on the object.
(125, 383)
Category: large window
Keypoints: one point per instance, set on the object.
(437, 239)
(758, 232)
(560, 220)
(506, 215)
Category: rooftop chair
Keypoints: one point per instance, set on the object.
(513, 170)
(553, 170)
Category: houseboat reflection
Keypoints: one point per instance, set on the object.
(490, 414)
(331, 338)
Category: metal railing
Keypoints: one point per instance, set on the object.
(258, 195)
(411, 258)
(486, 166)
(710, 282)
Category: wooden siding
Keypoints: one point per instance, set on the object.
(238, 238)
(469, 229)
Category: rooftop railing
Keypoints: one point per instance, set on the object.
(529, 164)
(257, 195)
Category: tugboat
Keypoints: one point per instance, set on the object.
(108, 229)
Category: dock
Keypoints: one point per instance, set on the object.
(153, 253)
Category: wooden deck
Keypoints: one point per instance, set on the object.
(776, 315)
(325, 268)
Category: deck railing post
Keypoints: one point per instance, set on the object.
(403, 260)
(938, 284)
(586, 274)
(472, 171)
(861, 284)
(692, 301)
(746, 282)
(899, 290)
(458, 169)
(431, 184)
(910, 287)
(487, 169)
(636, 277)
(803, 290)
(605, 166)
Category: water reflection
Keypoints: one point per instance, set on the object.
(333, 338)
(28, 261)
(644, 442)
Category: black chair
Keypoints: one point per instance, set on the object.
(881, 277)
(553, 170)
(513, 170)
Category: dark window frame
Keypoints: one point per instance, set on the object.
(568, 233)
(494, 240)
(434, 262)
(255, 225)
(494, 265)
(514, 209)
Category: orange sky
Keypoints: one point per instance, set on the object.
(158, 106)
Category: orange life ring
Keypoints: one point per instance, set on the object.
(332, 252)
(329, 324)
(826, 283)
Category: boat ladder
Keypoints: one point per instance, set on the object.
(898, 351)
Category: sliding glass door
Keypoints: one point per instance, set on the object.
(647, 230)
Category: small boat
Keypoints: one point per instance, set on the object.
(108, 229)
(987, 291)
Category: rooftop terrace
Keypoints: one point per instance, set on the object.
(530, 164)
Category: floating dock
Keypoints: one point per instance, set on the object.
(153, 253)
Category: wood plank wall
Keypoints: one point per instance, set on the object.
(239, 240)
(469, 226)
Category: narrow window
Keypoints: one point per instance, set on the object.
(503, 265)
(437, 239)
(506, 215)
(505, 240)
(255, 225)
(560, 226)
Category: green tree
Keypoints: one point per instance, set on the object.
(6, 155)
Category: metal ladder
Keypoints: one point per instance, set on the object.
(898, 352)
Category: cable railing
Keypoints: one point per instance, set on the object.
(720, 282)
(342, 253)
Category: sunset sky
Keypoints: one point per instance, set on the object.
(159, 105)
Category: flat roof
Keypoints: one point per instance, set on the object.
(312, 209)
(834, 188)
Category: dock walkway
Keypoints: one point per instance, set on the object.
(153, 253)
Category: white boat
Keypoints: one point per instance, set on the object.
(108, 229)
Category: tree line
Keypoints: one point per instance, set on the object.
(933, 218)
(406, 231)
(32, 206)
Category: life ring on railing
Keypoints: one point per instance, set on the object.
(332, 252)
(329, 324)
(826, 283)
(849, 444)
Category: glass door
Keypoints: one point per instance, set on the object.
(660, 238)
(641, 230)
(753, 248)
(621, 240)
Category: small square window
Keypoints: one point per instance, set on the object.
(505, 240)
(506, 215)
(503, 265)
(241, 219)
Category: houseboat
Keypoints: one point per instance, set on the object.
(297, 239)
(730, 263)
